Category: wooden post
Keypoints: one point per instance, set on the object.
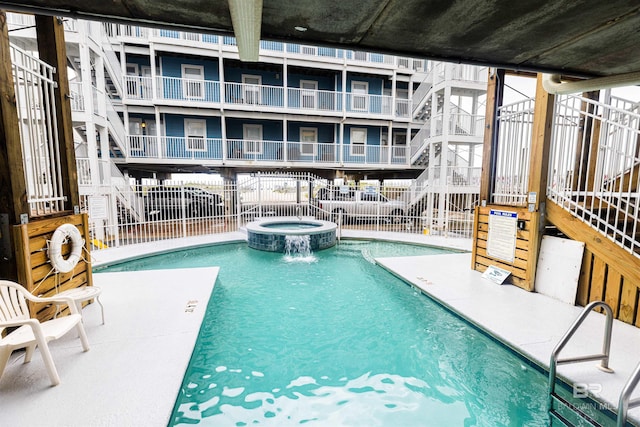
(538, 171)
(495, 91)
(13, 186)
(52, 50)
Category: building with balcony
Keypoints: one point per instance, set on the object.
(148, 103)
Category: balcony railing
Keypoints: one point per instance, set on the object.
(138, 87)
(242, 94)
(315, 100)
(77, 98)
(247, 94)
(179, 89)
(242, 150)
(207, 40)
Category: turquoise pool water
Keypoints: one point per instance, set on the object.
(338, 341)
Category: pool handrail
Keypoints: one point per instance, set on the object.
(603, 357)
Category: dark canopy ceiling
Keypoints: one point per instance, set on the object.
(572, 37)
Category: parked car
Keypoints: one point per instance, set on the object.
(171, 202)
(354, 205)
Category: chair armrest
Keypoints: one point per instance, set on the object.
(22, 322)
(58, 300)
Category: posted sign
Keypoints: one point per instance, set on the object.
(503, 226)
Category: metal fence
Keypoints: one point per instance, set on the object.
(595, 163)
(515, 123)
(34, 88)
(123, 215)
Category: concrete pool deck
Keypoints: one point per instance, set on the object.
(132, 374)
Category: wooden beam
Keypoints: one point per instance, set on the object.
(495, 90)
(13, 186)
(538, 169)
(52, 50)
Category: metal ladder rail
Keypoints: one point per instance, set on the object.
(625, 402)
(603, 357)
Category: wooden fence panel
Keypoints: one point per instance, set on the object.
(481, 260)
(35, 271)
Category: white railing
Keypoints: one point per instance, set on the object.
(379, 105)
(314, 100)
(99, 107)
(510, 184)
(207, 40)
(240, 94)
(402, 108)
(180, 89)
(420, 141)
(465, 124)
(217, 151)
(83, 165)
(115, 125)
(137, 87)
(248, 94)
(77, 98)
(598, 184)
(34, 90)
(469, 73)
(178, 209)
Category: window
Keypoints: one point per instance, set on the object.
(193, 81)
(308, 93)
(251, 90)
(359, 92)
(252, 136)
(195, 132)
(358, 141)
(308, 140)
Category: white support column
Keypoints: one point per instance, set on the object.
(341, 144)
(285, 82)
(389, 141)
(223, 132)
(285, 139)
(444, 151)
(105, 161)
(223, 97)
(154, 83)
(158, 132)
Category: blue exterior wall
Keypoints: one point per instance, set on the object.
(375, 83)
(269, 77)
(327, 82)
(140, 60)
(208, 90)
(175, 147)
(326, 131)
(171, 66)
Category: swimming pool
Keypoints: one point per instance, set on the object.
(341, 342)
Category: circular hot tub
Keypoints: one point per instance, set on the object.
(271, 234)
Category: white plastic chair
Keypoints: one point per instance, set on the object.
(30, 333)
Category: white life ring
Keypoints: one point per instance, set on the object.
(62, 235)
